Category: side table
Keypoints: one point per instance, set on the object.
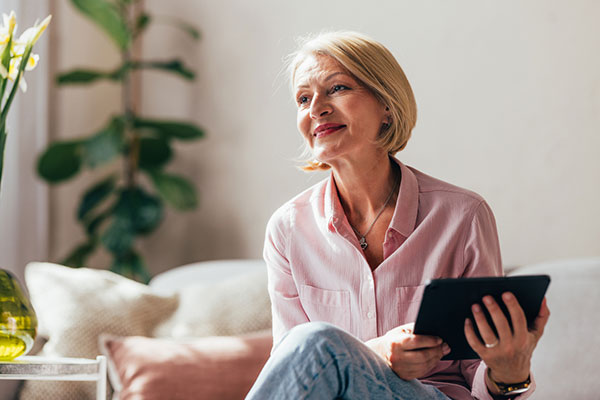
(57, 369)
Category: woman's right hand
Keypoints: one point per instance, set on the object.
(410, 356)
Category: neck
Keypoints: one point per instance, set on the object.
(363, 189)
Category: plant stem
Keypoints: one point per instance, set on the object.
(9, 100)
(2, 144)
(15, 87)
(131, 158)
(5, 60)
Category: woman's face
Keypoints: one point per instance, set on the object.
(339, 118)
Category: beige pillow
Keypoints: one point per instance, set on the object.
(74, 306)
(234, 306)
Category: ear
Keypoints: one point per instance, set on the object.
(387, 117)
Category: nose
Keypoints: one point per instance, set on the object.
(319, 107)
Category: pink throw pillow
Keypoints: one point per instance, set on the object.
(221, 368)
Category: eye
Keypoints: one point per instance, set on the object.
(302, 100)
(338, 88)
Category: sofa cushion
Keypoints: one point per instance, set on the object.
(74, 306)
(565, 363)
(232, 306)
(219, 368)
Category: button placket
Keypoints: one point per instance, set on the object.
(370, 304)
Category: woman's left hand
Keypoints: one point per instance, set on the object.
(508, 355)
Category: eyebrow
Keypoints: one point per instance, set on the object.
(326, 79)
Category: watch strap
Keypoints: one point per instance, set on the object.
(509, 389)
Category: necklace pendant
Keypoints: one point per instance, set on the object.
(363, 243)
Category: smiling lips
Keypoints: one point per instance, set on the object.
(327, 129)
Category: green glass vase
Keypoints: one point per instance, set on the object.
(18, 322)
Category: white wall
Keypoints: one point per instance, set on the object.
(509, 106)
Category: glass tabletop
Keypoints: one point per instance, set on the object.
(47, 368)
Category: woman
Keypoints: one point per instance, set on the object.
(355, 250)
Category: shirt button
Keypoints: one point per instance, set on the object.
(390, 234)
(370, 314)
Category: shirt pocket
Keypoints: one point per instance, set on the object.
(408, 300)
(326, 305)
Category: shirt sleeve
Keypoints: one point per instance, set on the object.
(482, 258)
(285, 303)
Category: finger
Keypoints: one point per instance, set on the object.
(425, 356)
(500, 321)
(541, 319)
(472, 338)
(486, 332)
(517, 316)
(414, 342)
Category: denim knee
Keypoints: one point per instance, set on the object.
(313, 336)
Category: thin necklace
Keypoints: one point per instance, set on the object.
(362, 238)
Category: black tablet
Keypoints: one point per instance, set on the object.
(447, 303)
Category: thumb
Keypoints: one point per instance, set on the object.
(541, 319)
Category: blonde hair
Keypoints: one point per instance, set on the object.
(375, 68)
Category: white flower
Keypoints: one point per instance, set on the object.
(19, 46)
(31, 35)
(9, 24)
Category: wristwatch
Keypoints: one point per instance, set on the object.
(509, 389)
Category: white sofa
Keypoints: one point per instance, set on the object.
(565, 364)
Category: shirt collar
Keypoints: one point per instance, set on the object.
(405, 213)
(407, 205)
(334, 212)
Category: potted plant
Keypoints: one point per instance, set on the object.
(122, 207)
(18, 322)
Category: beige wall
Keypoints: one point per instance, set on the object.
(508, 95)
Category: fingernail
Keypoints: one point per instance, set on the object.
(488, 300)
(476, 308)
(468, 322)
(507, 296)
(445, 349)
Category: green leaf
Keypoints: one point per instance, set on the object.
(175, 66)
(80, 254)
(141, 23)
(178, 23)
(131, 265)
(107, 16)
(60, 161)
(170, 129)
(154, 152)
(5, 60)
(104, 146)
(95, 195)
(77, 76)
(94, 223)
(176, 190)
(142, 211)
(118, 237)
(189, 29)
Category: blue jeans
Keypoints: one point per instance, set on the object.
(317, 360)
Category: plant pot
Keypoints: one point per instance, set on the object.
(18, 322)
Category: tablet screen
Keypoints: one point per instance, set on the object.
(446, 303)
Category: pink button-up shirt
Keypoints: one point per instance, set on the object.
(318, 272)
